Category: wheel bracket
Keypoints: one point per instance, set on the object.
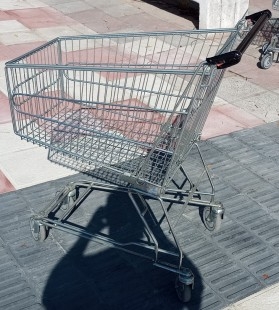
(186, 277)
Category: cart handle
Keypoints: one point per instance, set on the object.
(232, 58)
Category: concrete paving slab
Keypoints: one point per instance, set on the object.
(35, 162)
(143, 22)
(250, 97)
(46, 34)
(101, 4)
(19, 37)
(235, 88)
(266, 299)
(9, 142)
(72, 7)
(18, 4)
(119, 11)
(33, 167)
(8, 26)
(52, 3)
(264, 105)
(268, 79)
(41, 17)
(225, 118)
(5, 115)
(5, 184)
(98, 20)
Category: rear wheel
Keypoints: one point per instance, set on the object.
(184, 284)
(266, 60)
(70, 199)
(184, 291)
(211, 220)
(38, 230)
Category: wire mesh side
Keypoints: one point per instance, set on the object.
(270, 29)
(275, 4)
(185, 129)
(117, 101)
(149, 50)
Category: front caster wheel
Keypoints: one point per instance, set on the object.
(212, 218)
(38, 230)
(266, 60)
(184, 284)
(70, 199)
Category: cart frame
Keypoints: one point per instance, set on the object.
(147, 158)
(268, 38)
(275, 4)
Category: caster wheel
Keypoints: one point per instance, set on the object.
(72, 196)
(212, 220)
(38, 231)
(265, 47)
(184, 285)
(266, 61)
(184, 291)
(70, 199)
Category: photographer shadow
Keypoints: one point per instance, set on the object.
(94, 276)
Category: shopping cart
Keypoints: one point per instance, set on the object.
(133, 106)
(275, 4)
(267, 38)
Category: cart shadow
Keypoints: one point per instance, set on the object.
(189, 11)
(92, 276)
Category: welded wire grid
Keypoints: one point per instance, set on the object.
(118, 101)
(270, 29)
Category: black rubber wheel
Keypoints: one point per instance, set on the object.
(266, 61)
(212, 223)
(184, 291)
(39, 232)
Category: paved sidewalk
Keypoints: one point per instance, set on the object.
(247, 103)
(242, 259)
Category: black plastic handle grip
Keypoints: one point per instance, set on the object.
(232, 58)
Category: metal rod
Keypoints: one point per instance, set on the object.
(231, 58)
(261, 18)
(98, 237)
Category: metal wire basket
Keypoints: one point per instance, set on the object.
(129, 105)
(267, 39)
(275, 5)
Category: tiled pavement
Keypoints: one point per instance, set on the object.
(68, 272)
(248, 98)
